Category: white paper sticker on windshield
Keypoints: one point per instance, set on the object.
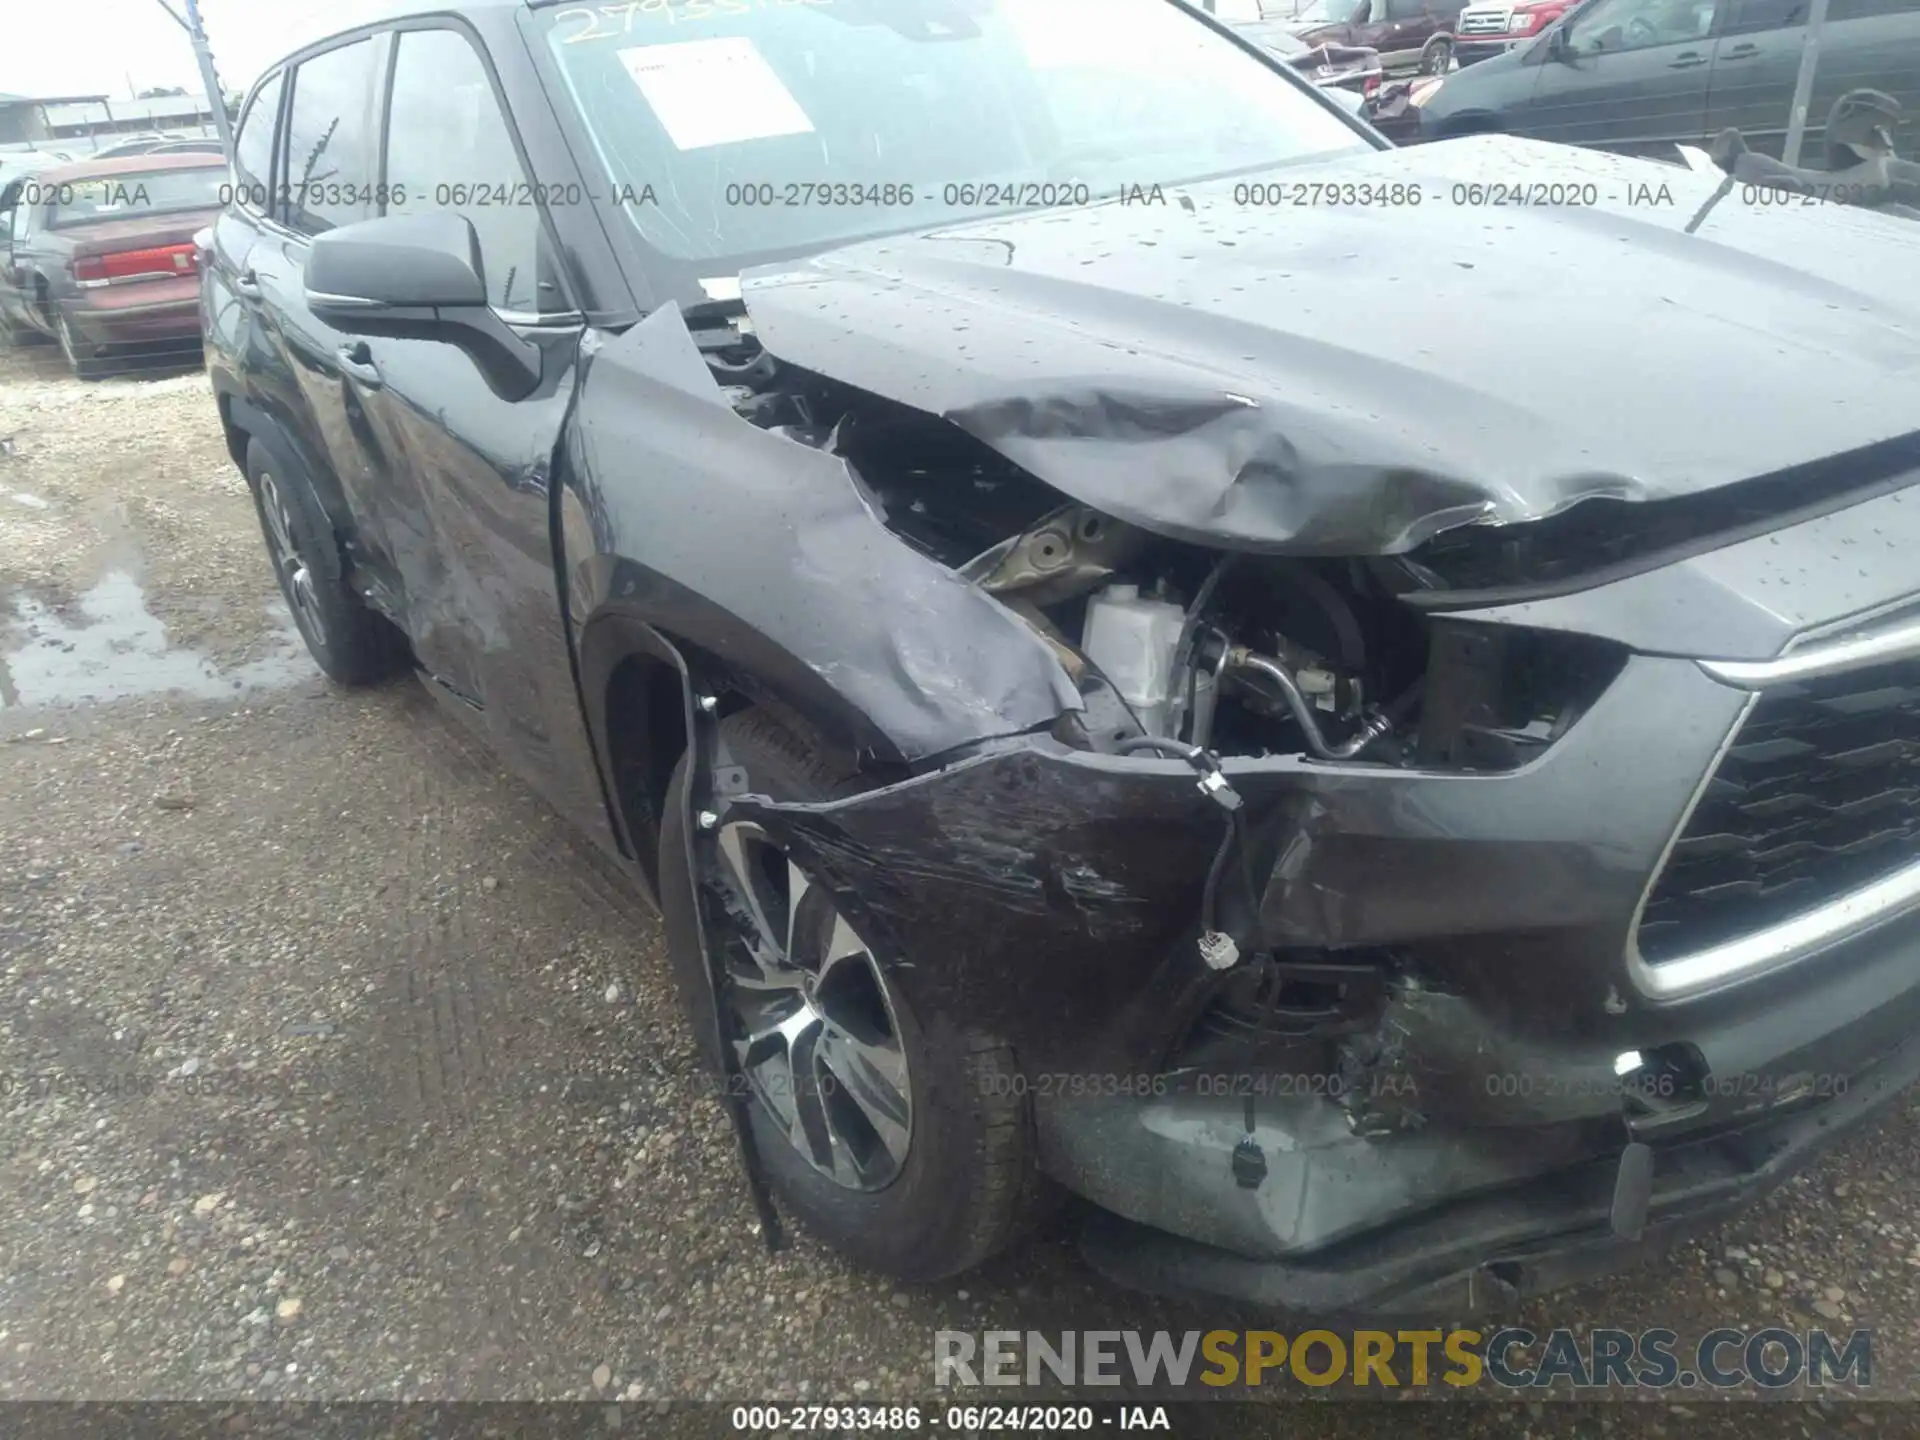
(714, 92)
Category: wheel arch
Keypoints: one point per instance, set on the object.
(641, 685)
(241, 421)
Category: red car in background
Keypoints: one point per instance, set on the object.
(99, 255)
(1407, 33)
(1491, 27)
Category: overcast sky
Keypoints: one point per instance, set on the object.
(102, 46)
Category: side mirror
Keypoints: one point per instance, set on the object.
(418, 277)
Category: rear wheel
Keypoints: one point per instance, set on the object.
(897, 1137)
(352, 644)
(1437, 58)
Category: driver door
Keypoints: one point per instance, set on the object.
(1632, 76)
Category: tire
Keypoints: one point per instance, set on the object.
(968, 1186)
(83, 367)
(1437, 58)
(349, 642)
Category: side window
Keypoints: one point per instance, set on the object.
(1871, 9)
(331, 161)
(1749, 17)
(253, 145)
(1605, 26)
(449, 148)
(1406, 9)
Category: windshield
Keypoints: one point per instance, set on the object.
(122, 197)
(737, 130)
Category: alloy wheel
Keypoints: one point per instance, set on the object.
(815, 1023)
(295, 575)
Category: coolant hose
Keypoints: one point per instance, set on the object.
(1376, 726)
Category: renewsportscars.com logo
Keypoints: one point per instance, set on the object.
(1512, 1358)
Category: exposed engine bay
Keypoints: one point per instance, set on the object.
(1215, 650)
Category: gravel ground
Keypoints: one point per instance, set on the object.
(336, 1068)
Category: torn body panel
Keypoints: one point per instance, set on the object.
(762, 553)
(1075, 878)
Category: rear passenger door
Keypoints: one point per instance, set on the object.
(1756, 61)
(239, 349)
(328, 166)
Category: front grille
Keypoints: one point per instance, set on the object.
(1819, 795)
(1485, 22)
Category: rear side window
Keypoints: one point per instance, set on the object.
(449, 148)
(331, 163)
(253, 146)
(1750, 17)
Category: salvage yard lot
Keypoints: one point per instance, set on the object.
(334, 1066)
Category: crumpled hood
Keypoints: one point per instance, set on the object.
(1353, 378)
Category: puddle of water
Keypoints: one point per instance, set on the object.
(111, 647)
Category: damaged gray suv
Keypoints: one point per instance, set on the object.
(1145, 651)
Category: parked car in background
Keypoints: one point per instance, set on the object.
(130, 145)
(1406, 33)
(189, 147)
(27, 161)
(1353, 69)
(1494, 27)
(157, 144)
(1638, 76)
(100, 256)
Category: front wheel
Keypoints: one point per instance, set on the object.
(900, 1138)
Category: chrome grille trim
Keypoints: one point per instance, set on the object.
(1831, 924)
(1834, 656)
(1832, 650)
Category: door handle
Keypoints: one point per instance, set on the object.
(1687, 61)
(357, 360)
(1742, 52)
(247, 284)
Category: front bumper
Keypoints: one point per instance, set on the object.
(1493, 1252)
(1502, 1217)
